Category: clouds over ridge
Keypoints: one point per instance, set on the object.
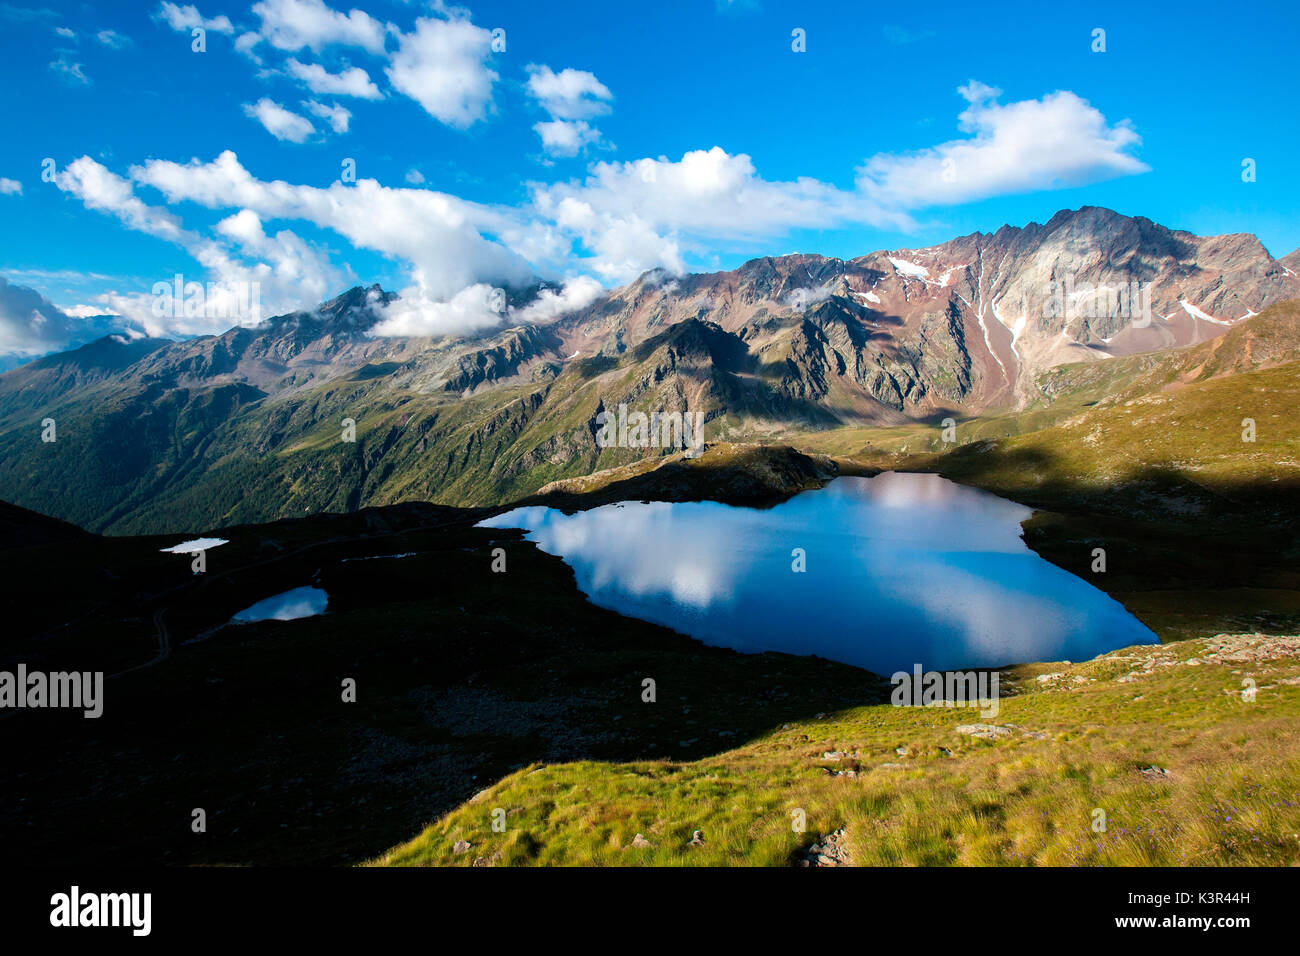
(626, 217)
(612, 222)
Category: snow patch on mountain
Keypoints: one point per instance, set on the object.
(1196, 313)
(909, 269)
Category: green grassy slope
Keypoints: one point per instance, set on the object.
(1160, 739)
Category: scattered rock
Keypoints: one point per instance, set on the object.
(641, 842)
(828, 851)
(984, 731)
(461, 846)
(1035, 734)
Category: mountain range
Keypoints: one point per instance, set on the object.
(249, 425)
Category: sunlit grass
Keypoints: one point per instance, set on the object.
(1230, 796)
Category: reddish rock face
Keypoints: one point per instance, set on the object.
(966, 324)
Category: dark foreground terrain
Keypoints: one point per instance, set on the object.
(462, 675)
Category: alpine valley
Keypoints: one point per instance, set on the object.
(156, 435)
(1135, 387)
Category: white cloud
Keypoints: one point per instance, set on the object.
(185, 18)
(286, 271)
(10, 187)
(247, 45)
(294, 24)
(335, 115)
(281, 123)
(65, 33)
(31, 325)
(566, 137)
(415, 313)
(616, 222)
(67, 70)
(637, 215)
(112, 39)
(1057, 141)
(577, 293)
(471, 310)
(569, 94)
(571, 97)
(83, 311)
(105, 191)
(350, 82)
(443, 66)
(445, 239)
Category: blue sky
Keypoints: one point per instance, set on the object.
(606, 138)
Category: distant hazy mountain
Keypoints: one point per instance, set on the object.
(31, 326)
(249, 425)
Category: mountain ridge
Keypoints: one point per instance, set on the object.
(250, 424)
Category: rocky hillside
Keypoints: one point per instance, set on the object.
(253, 424)
(968, 323)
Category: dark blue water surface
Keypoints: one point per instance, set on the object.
(902, 569)
(289, 606)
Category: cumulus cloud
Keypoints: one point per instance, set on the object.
(569, 94)
(652, 212)
(445, 239)
(105, 191)
(615, 222)
(335, 115)
(84, 311)
(281, 123)
(280, 271)
(31, 325)
(415, 313)
(577, 293)
(479, 307)
(636, 215)
(1058, 141)
(293, 24)
(246, 43)
(350, 82)
(443, 66)
(10, 187)
(566, 137)
(183, 19)
(803, 299)
(571, 97)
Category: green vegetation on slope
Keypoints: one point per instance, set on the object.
(1160, 739)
